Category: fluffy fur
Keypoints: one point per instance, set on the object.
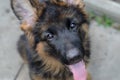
(49, 34)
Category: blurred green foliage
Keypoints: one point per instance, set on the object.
(104, 20)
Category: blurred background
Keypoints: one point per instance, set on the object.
(104, 16)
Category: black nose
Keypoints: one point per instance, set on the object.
(73, 55)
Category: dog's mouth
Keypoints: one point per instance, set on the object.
(79, 71)
(76, 64)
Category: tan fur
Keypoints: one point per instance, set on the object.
(25, 26)
(52, 64)
(86, 30)
(59, 2)
(89, 76)
(27, 30)
(40, 78)
(36, 78)
(78, 3)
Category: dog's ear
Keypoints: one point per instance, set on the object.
(78, 3)
(38, 3)
(25, 13)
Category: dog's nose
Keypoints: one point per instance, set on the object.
(73, 54)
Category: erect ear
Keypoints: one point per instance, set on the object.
(25, 13)
(78, 3)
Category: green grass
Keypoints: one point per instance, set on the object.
(102, 20)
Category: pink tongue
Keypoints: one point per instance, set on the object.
(79, 71)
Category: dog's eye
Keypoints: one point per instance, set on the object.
(73, 26)
(49, 36)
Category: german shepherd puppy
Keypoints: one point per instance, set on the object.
(55, 43)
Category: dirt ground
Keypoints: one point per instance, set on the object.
(105, 49)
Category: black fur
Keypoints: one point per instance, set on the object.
(60, 27)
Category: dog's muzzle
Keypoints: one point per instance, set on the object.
(73, 56)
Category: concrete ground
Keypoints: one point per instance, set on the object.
(10, 61)
(105, 49)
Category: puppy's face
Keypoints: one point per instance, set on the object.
(58, 28)
(57, 31)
